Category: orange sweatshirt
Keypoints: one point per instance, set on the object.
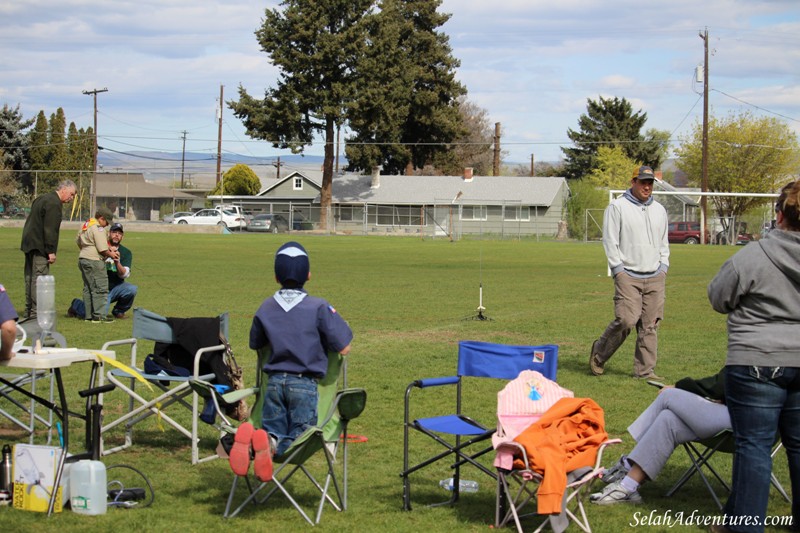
(566, 437)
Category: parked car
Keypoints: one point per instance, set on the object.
(742, 237)
(686, 232)
(213, 217)
(268, 222)
(236, 210)
(169, 218)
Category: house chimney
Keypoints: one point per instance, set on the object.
(467, 173)
(376, 177)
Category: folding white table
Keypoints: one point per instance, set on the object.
(54, 359)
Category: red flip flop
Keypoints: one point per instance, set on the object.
(239, 456)
(263, 460)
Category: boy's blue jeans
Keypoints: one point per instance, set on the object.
(762, 401)
(290, 407)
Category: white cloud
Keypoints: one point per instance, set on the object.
(531, 64)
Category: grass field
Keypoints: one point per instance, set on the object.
(406, 300)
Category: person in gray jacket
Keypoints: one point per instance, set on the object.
(759, 290)
(636, 245)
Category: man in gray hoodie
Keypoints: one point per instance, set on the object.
(636, 245)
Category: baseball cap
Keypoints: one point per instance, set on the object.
(105, 213)
(644, 173)
(292, 263)
(116, 226)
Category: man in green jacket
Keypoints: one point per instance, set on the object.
(40, 239)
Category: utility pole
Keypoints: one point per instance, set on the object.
(219, 140)
(496, 163)
(338, 133)
(277, 165)
(93, 195)
(533, 170)
(183, 158)
(704, 179)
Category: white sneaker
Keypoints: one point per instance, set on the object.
(615, 493)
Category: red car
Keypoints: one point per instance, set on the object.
(686, 232)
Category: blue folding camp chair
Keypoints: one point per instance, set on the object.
(480, 360)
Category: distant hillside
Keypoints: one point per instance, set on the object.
(199, 169)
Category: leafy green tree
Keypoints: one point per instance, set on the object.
(316, 45)
(239, 180)
(612, 122)
(408, 110)
(613, 168)
(15, 142)
(585, 196)
(745, 154)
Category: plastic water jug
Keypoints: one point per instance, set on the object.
(46, 302)
(87, 487)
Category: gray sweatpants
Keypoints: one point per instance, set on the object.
(675, 416)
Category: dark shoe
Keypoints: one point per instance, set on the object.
(595, 365)
(118, 315)
(102, 320)
(71, 313)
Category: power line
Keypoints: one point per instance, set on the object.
(755, 106)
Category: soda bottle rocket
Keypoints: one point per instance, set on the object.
(46, 302)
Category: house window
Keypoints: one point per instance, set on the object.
(473, 212)
(396, 215)
(520, 213)
(297, 185)
(351, 213)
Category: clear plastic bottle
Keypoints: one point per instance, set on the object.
(46, 302)
(464, 485)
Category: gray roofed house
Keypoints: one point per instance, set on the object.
(130, 197)
(448, 205)
(427, 205)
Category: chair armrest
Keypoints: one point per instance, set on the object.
(123, 342)
(436, 382)
(351, 403)
(199, 354)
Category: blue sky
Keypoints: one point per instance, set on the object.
(531, 64)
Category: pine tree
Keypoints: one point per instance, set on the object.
(14, 143)
(39, 144)
(59, 159)
(611, 122)
(408, 109)
(315, 44)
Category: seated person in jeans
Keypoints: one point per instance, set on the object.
(299, 331)
(691, 410)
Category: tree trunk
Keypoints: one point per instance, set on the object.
(327, 174)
